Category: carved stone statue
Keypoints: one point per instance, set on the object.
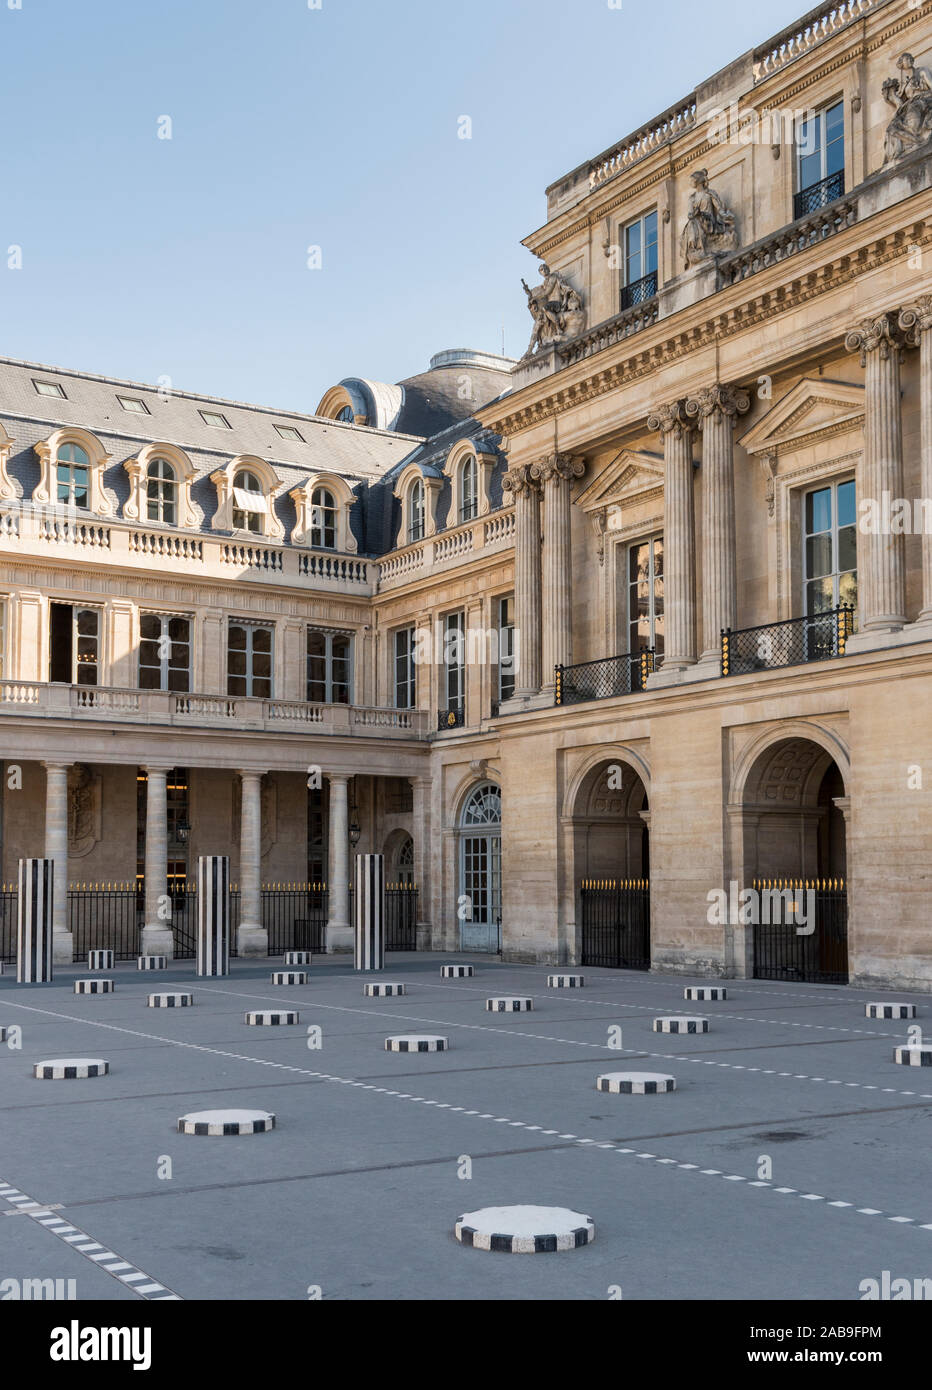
(911, 95)
(556, 308)
(710, 227)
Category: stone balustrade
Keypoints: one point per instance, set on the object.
(38, 700)
(814, 28)
(449, 548)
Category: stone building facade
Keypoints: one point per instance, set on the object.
(589, 643)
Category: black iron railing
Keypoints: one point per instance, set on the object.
(789, 643)
(615, 923)
(600, 680)
(104, 916)
(639, 291)
(819, 195)
(8, 898)
(451, 718)
(801, 931)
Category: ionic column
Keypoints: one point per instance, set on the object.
(527, 579)
(421, 787)
(252, 939)
(555, 475)
(916, 322)
(716, 408)
(56, 849)
(679, 539)
(881, 558)
(339, 928)
(157, 938)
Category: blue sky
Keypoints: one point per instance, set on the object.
(293, 127)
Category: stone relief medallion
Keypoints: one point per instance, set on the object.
(84, 811)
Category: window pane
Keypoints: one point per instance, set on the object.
(819, 555)
(847, 548)
(819, 511)
(847, 507)
(237, 639)
(150, 626)
(262, 639)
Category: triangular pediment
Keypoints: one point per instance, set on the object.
(814, 407)
(631, 472)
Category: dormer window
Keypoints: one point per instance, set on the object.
(639, 260)
(347, 415)
(416, 511)
(323, 519)
(469, 488)
(249, 504)
(820, 160)
(161, 493)
(72, 476)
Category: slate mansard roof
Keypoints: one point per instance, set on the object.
(368, 458)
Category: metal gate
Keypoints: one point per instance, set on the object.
(802, 933)
(615, 917)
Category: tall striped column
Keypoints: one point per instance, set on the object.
(213, 914)
(34, 921)
(370, 912)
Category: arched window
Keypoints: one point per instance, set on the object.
(469, 489)
(248, 502)
(480, 869)
(323, 519)
(72, 475)
(348, 415)
(416, 511)
(404, 862)
(161, 492)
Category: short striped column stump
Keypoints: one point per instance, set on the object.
(914, 1055)
(416, 1042)
(525, 1230)
(269, 1018)
(170, 1001)
(382, 991)
(890, 1010)
(681, 1025)
(100, 960)
(298, 957)
(70, 1069)
(2, 1035)
(698, 992)
(566, 981)
(152, 962)
(456, 972)
(635, 1083)
(289, 977)
(93, 986)
(224, 1122)
(509, 1004)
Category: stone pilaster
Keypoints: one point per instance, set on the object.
(339, 928)
(716, 409)
(251, 937)
(421, 787)
(526, 493)
(555, 475)
(881, 558)
(916, 321)
(56, 849)
(679, 541)
(157, 937)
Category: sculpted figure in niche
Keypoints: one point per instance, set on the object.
(556, 308)
(710, 227)
(911, 95)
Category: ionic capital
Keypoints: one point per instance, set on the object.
(558, 468)
(518, 480)
(718, 401)
(881, 333)
(670, 419)
(916, 319)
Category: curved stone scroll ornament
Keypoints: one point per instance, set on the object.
(558, 467)
(916, 319)
(717, 400)
(911, 96)
(710, 228)
(669, 419)
(518, 480)
(882, 333)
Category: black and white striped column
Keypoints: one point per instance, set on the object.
(34, 921)
(370, 912)
(213, 915)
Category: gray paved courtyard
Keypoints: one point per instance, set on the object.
(356, 1191)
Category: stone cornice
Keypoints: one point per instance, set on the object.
(663, 343)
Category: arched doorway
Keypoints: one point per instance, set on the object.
(399, 859)
(479, 900)
(611, 855)
(794, 807)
